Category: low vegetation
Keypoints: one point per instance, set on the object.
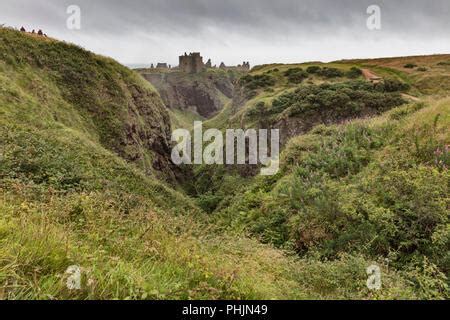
(410, 66)
(296, 75)
(374, 188)
(333, 101)
(257, 82)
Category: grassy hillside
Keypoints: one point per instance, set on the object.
(71, 195)
(376, 187)
(83, 162)
(268, 83)
(294, 99)
(91, 94)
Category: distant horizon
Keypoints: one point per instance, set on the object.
(138, 65)
(147, 65)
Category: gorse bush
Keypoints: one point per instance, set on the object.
(296, 75)
(259, 111)
(257, 82)
(313, 69)
(327, 72)
(392, 85)
(349, 98)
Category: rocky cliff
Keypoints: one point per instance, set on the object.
(205, 93)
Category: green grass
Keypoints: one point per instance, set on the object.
(372, 187)
(184, 119)
(83, 168)
(67, 196)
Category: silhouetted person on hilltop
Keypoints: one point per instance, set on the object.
(33, 31)
(40, 32)
(23, 29)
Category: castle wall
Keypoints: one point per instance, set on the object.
(192, 63)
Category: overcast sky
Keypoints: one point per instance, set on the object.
(260, 31)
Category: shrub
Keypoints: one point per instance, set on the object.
(313, 69)
(333, 202)
(208, 202)
(257, 111)
(273, 71)
(296, 75)
(331, 73)
(410, 66)
(354, 73)
(338, 100)
(257, 82)
(392, 85)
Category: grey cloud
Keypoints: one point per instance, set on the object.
(165, 27)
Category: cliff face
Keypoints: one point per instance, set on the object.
(205, 93)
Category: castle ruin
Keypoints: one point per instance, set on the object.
(161, 65)
(192, 63)
(245, 66)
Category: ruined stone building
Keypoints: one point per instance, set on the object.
(192, 63)
(162, 66)
(245, 66)
(208, 64)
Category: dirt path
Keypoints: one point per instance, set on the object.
(370, 76)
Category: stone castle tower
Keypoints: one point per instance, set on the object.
(192, 63)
